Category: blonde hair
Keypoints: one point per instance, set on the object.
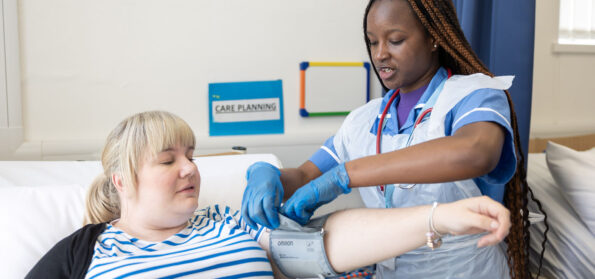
(136, 137)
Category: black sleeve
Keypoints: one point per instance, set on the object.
(69, 258)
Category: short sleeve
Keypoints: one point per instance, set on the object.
(231, 218)
(325, 157)
(336, 149)
(487, 105)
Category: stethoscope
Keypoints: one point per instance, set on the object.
(381, 126)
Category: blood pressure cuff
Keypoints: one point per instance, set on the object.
(299, 250)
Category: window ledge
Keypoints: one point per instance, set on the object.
(573, 48)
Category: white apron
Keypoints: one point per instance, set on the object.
(458, 257)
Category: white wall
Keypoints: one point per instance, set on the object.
(85, 65)
(88, 64)
(563, 80)
(11, 124)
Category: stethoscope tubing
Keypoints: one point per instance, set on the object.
(381, 126)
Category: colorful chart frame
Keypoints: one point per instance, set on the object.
(305, 65)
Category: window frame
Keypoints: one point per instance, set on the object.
(569, 47)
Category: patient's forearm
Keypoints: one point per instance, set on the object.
(360, 237)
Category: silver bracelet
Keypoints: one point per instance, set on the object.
(434, 238)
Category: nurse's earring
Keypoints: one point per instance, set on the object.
(435, 46)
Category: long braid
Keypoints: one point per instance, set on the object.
(547, 228)
(516, 197)
(463, 65)
(440, 20)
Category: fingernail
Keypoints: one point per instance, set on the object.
(494, 225)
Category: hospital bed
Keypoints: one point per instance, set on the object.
(42, 202)
(562, 176)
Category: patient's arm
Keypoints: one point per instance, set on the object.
(360, 237)
(263, 241)
(364, 236)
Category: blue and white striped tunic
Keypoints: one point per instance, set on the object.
(215, 244)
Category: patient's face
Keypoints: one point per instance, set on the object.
(168, 187)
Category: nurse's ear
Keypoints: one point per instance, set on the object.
(435, 45)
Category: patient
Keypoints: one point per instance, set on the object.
(143, 218)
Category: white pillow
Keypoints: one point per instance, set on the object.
(223, 178)
(48, 173)
(570, 246)
(574, 172)
(33, 220)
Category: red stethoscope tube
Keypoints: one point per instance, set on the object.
(380, 124)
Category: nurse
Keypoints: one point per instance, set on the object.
(445, 131)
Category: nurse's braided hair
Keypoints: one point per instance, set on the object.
(440, 21)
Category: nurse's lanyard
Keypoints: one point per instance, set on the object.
(381, 125)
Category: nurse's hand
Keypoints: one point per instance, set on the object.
(317, 192)
(263, 195)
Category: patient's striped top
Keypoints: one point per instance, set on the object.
(215, 244)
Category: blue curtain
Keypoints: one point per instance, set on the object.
(501, 32)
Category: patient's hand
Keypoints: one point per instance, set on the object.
(474, 215)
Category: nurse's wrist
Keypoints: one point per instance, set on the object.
(342, 178)
(351, 169)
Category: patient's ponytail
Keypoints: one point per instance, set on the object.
(103, 202)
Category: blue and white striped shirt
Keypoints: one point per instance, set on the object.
(215, 244)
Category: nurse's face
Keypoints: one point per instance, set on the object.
(402, 51)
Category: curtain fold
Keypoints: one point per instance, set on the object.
(502, 34)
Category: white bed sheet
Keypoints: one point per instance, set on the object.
(570, 251)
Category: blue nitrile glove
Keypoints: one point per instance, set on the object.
(317, 192)
(263, 195)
